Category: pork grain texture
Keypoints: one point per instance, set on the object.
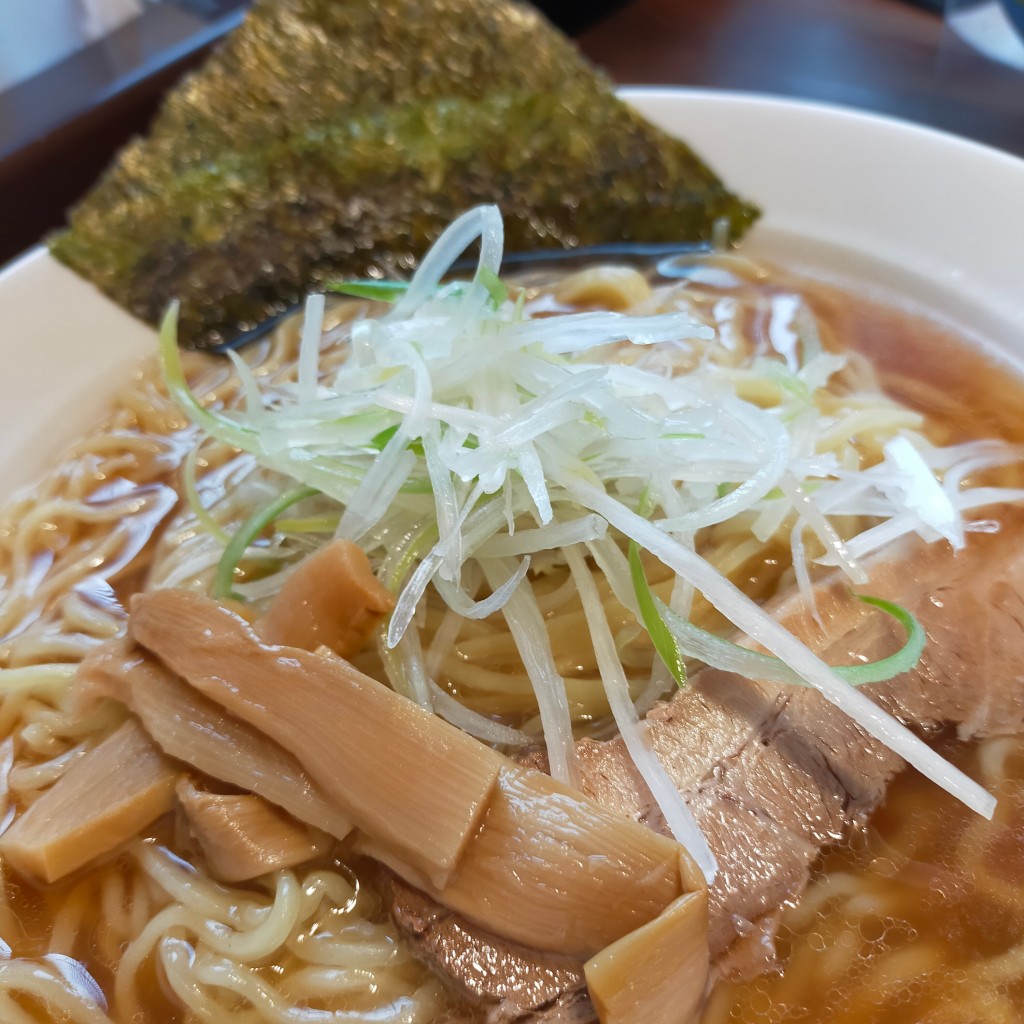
(774, 774)
(505, 982)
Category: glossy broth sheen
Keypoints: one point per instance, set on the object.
(927, 365)
(919, 917)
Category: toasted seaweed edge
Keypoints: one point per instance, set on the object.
(227, 230)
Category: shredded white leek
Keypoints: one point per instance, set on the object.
(677, 815)
(493, 442)
(527, 627)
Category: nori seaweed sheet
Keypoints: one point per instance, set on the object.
(336, 138)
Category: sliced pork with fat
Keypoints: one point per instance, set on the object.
(774, 773)
(508, 982)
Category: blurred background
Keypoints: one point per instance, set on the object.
(80, 77)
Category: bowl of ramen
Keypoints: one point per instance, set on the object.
(539, 643)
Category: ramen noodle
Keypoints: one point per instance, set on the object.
(149, 501)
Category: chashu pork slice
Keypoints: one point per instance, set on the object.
(774, 773)
(506, 982)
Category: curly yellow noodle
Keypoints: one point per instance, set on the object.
(148, 922)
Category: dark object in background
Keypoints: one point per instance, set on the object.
(573, 16)
(329, 140)
(1015, 12)
(59, 128)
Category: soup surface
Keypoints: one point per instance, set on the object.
(916, 917)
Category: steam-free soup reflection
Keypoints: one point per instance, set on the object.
(919, 917)
(918, 913)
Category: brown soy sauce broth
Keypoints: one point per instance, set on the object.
(926, 363)
(918, 917)
(924, 358)
(76, 919)
(900, 923)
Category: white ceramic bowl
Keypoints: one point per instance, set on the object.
(906, 211)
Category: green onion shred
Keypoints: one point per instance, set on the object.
(376, 291)
(246, 533)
